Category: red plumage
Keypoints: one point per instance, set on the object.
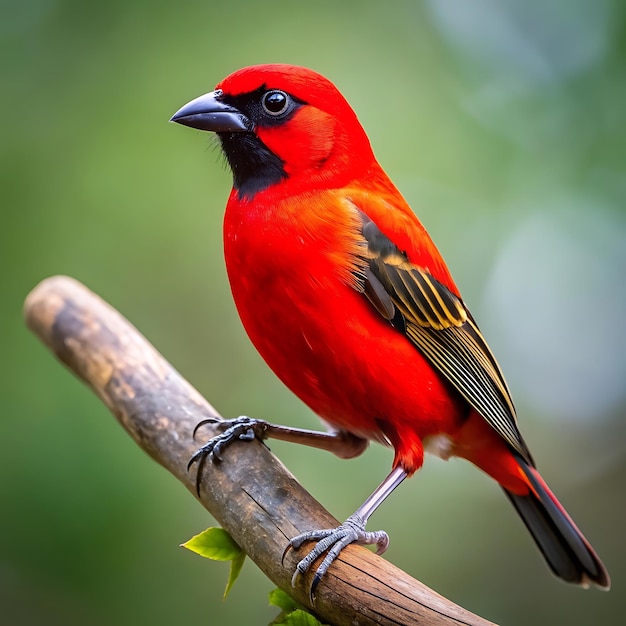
(348, 300)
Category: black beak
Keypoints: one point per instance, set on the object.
(208, 113)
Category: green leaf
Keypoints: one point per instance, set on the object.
(279, 598)
(215, 544)
(300, 618)
(292, 614)
(235, 568)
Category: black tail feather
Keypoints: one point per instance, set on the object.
(567, 552)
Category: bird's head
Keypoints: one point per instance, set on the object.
(282, 124)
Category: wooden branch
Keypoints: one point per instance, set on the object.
(251, 494)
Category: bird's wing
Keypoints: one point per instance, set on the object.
(440, 326)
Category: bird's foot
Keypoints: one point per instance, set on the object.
(241, 428)
(333, 541)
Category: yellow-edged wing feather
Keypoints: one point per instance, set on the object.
(441, 327)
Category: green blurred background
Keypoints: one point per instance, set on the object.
(503, 123)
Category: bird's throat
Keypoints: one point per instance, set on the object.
(254, 166)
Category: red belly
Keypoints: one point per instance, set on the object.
(326, 342)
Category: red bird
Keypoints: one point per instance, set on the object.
(347, 299)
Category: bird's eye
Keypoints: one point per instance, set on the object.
(275, 102)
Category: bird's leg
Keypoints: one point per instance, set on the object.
(342, 443)
(334, 540)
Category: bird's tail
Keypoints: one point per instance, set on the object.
(567, 552)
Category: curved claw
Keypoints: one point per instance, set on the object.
(333, 541)
(208, 420)
(282, 558)
(244, 428)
